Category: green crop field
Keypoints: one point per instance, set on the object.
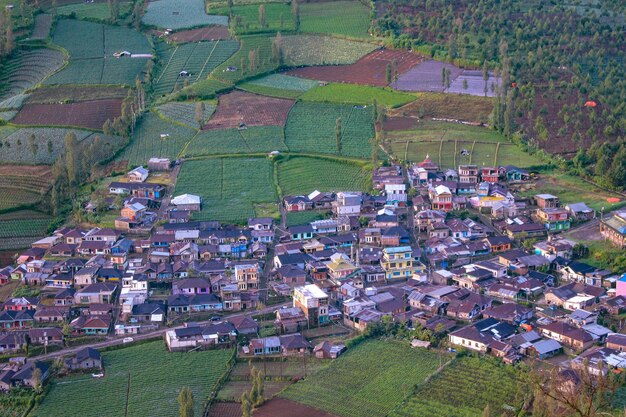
(302, 50)
(447, 393)
(41, 29)
(311, 128)
(173, 14)
(345, 18)
(11, 197)
(156, 376)
(258, 139)
(93, 11)
(278, 18)
(357, 94)
(229, 187)
(22, 225)
(369, 380)
(91, 47)
(197, 59)
(185, 113)
(279, 85)
(27, 69)
(13, 102)
(16, 144)
(147, 141)
(238, 65)
(302, 175)
(204, 89)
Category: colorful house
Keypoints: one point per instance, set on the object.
(399, 263)
(554, 219)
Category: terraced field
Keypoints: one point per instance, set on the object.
(345, 18)
(43, 24)
(229, 187)
(260, 139)
(185, 113)
(278, 18)
(94, 11)
(302, 175)
(241, 109)
(189, 63)
(238, 66)
(22, 226)
(173, 14)
(279, 85)
(17, 145)
(27, 69)
(311, 128)
(302, 50)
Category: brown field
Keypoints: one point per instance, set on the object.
(253, 110)
(447, 106)
(225, 410)
(369, 70)
(279, 407)
(202, 34)
(88, 114)
(69, 94)
(34, 178)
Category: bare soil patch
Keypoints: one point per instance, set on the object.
(225, 410)
(369, 70)
(88, 114)
(239, 107)
(279, 407)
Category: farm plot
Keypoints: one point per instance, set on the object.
(295, 218)
(211, 33)
(447, 393)
(185, 113)
(87, 114)
(27, 69)
(233, 390)
(260, 139)
(43, 24)
(472, 83)
(279, 85)
(357, 94)
(93, 11)
(34, 145)
(278, 18)
(302, 175)
(346, 18)
(155, 137)
(311, 127)
(281, 407)
(12, 198)
(70, 94)
(155, 378)
(221, 409)
(238, 107)
(238, 66)
(302, 50)
(24, 224)
(190, 62)
(13, 102)
(91, 47)
(369, 70)
(229, 187)
(370, 380)
(173, 14)
(7, 115)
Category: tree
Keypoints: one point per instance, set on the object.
(388, 73)
(32, 143)
(465, 84)
(262, 21)
(338, 134)
(259, 387)
(200, 113)
(50, 148)
(229, 4)
(295, 12)
(37, 379)
(487, 411)
(9, 44)
(70, 144)
(246, 405)
(277, 49)
(185, 402)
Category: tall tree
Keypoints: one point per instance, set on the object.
(185, 402)
(8, 36)
(37, 379)
(262, 21)
(200, 113)
(295, 12)
(246, 405)
(70, 145)
(388, 73)
(338, 134)
(32, 143)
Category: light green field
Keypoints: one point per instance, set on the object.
(240, 61)
(279, 85)
(302, 175)
(229, 187)
(257, 139)
(357, 94)
(278, 18)
(93, 11)
(300, 50)
(345, 18)
(156, 377)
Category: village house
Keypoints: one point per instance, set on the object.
(313, 302)
(546, 201)
(46, 336)
(193, 336)
(290, 320)
(146, 190)
(188, 202)
(139, 174)
(191, 286)
(613, 228)
(340, 267)
(568, 335)
(468, 174)
(84, 359)
(92, 324)
(347, 204)
(247, 276)
(399, 263)
(554, 219)
(297, 203)
(440, 198)
(100, 292)
(159, 164)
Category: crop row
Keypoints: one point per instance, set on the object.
(302, 50)
(10, 229)
(174, 14)
(27, 69)
(34, 145)
(231, 141)
(185, 113)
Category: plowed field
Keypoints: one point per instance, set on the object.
(250, 109)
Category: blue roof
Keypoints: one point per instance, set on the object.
(399, 249)
(623, 278)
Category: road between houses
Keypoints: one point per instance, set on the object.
(112, 341)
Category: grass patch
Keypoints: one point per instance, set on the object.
(357, 94)
(279, 85)
(174, 14)
(345, 18)
(278, 18)
(448, 106)
(93, 11)
(301, 50)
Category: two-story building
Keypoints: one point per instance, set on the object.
(440, 198)
(399, 263)
(313, 302)
(247, 276)
(468, 174)
(554, 219)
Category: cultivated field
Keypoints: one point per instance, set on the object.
(369, 380)
(233, 390)
(93, 11)
(238, 66)
(18, 227)
(302, 175)
(18, 147)
(279, 85)
(27, 69)
(22, 186)
(185, 113)
(302, 50)
(13, 102)
(311, 128)
(87, 114)
(43, 24)
(211, 33)
(229, 187)
(280, 407)
(345, 18)
(369, 70)
(260, 139)
(155, 377)
(70, 94)
(444, 142)
(196, 59)
(448, 394)
(444, 106)
(172, 14)
(278, 18)
(91, 47)
(357, 94)
(148, 142)
(225, 410)
(239, 107)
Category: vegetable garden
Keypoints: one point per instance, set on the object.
(174, 14)
(229, 187)
(19, 147)
(323, 50)
(357, 94)
(279, 85)
(27, 69)
(185, 113)
(278, 18)
(344, 18)
(371, 379)
(260, 139)
(148, 375)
